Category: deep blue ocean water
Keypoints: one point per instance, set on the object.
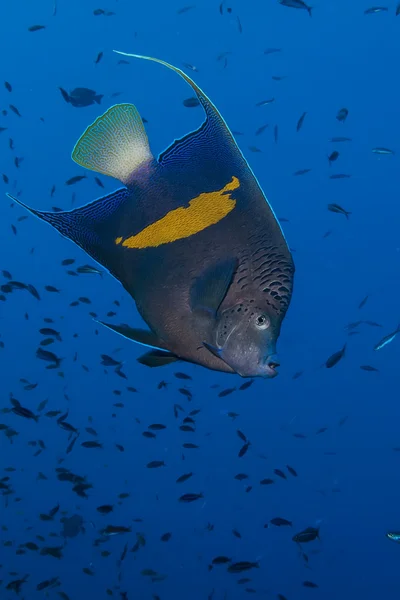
(337, 428)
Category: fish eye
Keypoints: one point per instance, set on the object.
(262, 322)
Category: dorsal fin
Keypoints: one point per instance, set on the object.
(213, 129)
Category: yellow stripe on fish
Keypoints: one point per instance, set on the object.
(203, 211)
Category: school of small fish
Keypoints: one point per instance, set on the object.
(174, 444)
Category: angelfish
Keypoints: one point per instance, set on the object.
(190, 236)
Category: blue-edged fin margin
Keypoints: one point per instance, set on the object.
(89, 227)
(212, 114)
(157, 356)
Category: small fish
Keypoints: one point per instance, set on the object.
(89, 269)
(105, 509)
(272, 50)
(184, 477)
(226, 392)
(335, 358)
(265, 102)
(333, 156)
(296, 4)
(179, 375)
(75, 179)
(280, 522)
(246, 385)
(261, 129)
(300, 122)
(48, 356)
(36, 27)
(340, 176)
(336, 208)
(186, 498)
(363, 302)
(244, 565)
(342, 114)
(372, 323)
(381, 150)
(394, 536)
(108, 361)
(302, 172)
(243, 449)
(387, 339)
(15, 110)
(191, 102)
(375, 9)
(309, 584)
(91, 444)
(307, 535)
(155, 464)
(98, 58)
(8, 86)
(337, 140)
(184, 9)
(369, 368)
(280, 473)
(221, 560)
(398, 10)
(115, 530)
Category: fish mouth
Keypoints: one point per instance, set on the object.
(266, 369)
(271, 364)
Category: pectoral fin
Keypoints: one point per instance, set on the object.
(140, 336)
(209, 290)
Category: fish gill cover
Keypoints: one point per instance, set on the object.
(147, 448)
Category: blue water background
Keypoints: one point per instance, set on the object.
(338, 58)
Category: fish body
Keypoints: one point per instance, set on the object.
(191, 237)
(380, 150)
(280, 522)
(342, 114)
(335, 358)
(297, 4)
(307, 535)
(387, 339)
(375, 9)
(333, 156)
(336, 208)
(243, 565)
(340, 139)
(394, 536)
(81, 97)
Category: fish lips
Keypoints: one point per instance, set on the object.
(266, 368)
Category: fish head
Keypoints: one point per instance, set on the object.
(246, 336)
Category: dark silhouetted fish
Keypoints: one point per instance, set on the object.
(190, 236)
(81, 97)
(296, 4)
